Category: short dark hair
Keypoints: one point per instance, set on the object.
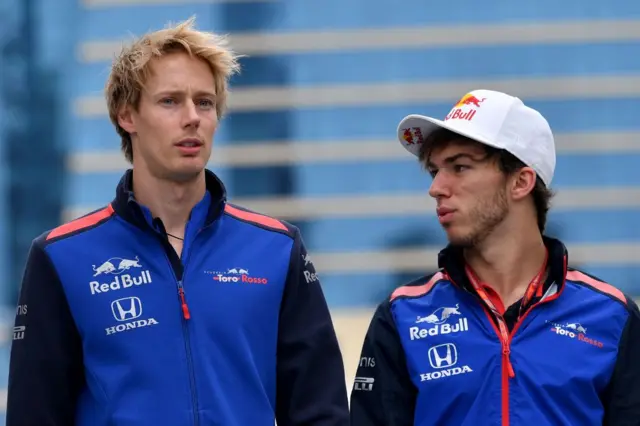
(507, 162)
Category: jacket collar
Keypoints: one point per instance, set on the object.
(452, 261)
(205, 212)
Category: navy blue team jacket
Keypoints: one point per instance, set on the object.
(113, 328)
(433, 354)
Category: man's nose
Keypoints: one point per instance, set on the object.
(191, 116)
(439, 186)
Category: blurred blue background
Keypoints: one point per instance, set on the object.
(310, 135)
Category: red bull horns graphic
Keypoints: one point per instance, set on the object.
(457, 113)
(121, 273)
(469, 99)
(412, 135)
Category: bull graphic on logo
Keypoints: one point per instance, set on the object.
(577, 327)
(238, 271)
(116, 265)
(412, 135)
(469, 99)
(106, 268)
(439, 316)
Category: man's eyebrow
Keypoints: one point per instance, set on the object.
(453, 159)
(174, 92)
(205, 93)
(456, 157)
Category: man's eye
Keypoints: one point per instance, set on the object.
(459, 168)
(206, 103)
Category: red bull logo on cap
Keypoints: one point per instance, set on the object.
(469, 99)
(458, 112)
(412, 135)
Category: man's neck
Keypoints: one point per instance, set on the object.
(171, 202)
(509, 263)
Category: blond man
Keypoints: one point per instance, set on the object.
(171, 306)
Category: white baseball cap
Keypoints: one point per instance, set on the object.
(495, 119)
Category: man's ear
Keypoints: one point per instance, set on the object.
(125, 119)
(523, 182)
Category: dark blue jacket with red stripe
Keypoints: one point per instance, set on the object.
(433, 354)
(114, 328)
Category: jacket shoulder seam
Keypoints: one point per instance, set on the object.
(259, 220)
(410, 291)
(82, 224)
(597, 285)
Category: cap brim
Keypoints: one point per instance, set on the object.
(428, 125)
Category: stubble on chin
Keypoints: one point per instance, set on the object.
(485, 217)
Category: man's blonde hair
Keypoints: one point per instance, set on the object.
(130, 68)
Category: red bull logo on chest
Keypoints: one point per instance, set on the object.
(417, 333)
(122, 273)
(443, 320)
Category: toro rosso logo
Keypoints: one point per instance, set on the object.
(575, 330)
(237, 275)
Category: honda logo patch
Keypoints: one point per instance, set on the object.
(126, 309)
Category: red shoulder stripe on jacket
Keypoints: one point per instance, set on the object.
(417, 290)
(255, 218)
(598, 285)
(81, 223)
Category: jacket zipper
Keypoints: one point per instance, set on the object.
(503, 331)
(505, 339)
(507, 371)
(186, 316)
(507, 367)
(187, 344)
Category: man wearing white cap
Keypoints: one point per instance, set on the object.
(505, 333)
